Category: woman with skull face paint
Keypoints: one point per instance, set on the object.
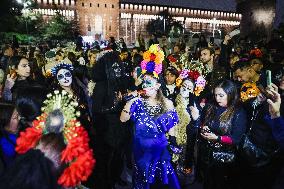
(183, 135)
(65, 81)
(153, 116)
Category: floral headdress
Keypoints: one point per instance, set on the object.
(248, 91)
(60, 66)
(195, 76)
(77, 153)
(153, 59)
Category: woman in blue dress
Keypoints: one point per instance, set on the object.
(153, 116)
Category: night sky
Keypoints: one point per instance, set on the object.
(224, 5)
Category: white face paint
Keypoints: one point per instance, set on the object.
(186, 88)
(64, 77)
(150, 85)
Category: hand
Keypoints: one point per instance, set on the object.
(274, 104)
(10, 81)
(209, 136)
(272, 87)
(194, 112)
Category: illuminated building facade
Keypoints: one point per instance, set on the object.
(128, 19)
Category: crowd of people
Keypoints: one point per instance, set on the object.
(168, 114)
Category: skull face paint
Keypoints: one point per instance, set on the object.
(64, 77)
(150, 85)
(186, 88)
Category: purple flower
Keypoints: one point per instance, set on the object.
(150, 66)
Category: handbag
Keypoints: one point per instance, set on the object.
(223, 157)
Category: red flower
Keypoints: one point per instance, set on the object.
(193, 75)
(28, 139)
(76, 145)
(172, 58)
(152, 57)
(78, 171)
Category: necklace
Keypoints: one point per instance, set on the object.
(152, 110)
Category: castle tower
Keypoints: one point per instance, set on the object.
(98, 18)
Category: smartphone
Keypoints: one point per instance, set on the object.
(268, 77)
(13, 73)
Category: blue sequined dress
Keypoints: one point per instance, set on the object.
(152, 158)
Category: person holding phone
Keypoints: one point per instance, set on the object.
(18, 77)
(222, 124)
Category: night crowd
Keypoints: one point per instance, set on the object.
(165, 114)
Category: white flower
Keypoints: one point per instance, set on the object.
(49, 95)
(56, 92)
(64, 92)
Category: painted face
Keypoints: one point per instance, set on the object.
(221, 97)
(64, 77)
(186, 88)
(23, 69)
(150, 85)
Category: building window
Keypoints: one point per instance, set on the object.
(105, 5)
(98, 5)
(64, 2)
(109, 28)
(41, 1)
(69, 2)
(53, 2)
(58, 2)
(90, 4)
(82, 4)
(112, 6)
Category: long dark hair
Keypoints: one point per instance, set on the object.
(232, 105)
(28, 104)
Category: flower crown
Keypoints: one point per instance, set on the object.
(153, 59)
(77, 153)
(60, 66)
(248, 91)
(195, 76)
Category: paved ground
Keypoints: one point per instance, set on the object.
(126, 176)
